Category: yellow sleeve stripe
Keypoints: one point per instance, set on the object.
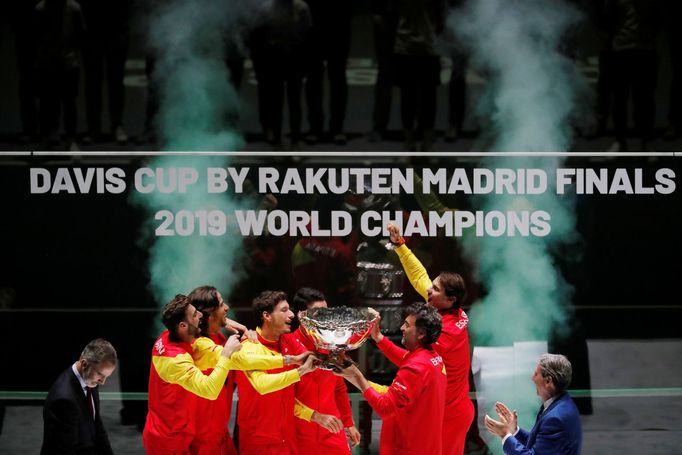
(415, 271)
(382, 389)
(181, 370)
(302, 411)
(267, 383)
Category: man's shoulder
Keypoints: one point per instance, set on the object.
(164, 347)
(63, 387)
(426, 358)
(563, 412)
(566, 405)
(293, 343)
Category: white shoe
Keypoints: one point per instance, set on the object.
(617, 146)
(120, 135)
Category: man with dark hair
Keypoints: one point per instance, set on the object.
(414, 403)
(322, 391)
(557, 429)
(73, 423)
(175, 381)
(446, 294)
(212, 435)
(267, 404)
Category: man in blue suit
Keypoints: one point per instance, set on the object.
(71, 415)
(557, 429)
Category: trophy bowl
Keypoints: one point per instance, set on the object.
(336, 330)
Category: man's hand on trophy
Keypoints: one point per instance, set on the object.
(309, 365)
(376, 334)
(331, 423)
(340, 362)
(353, 375)
(299, 359)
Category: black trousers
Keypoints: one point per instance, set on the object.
(675, 48)
(329, 51)
(58, 90)
(635, 74)
(457, 100)
(100, 52)
(418, 78)
(25, 49)
(384, 38)
(277, 72)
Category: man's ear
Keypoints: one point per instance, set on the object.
(266, 316)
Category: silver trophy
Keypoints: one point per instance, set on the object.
(336, 330)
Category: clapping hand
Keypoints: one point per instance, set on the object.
(507, 424)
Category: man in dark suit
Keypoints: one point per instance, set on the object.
(557, 429)
(73, 424)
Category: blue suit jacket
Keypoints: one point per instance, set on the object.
(556, 432)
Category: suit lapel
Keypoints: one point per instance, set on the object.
(79, 396)
(541, 416)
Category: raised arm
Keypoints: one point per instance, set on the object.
(415, 271)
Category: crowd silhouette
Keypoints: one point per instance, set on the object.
(300, 47)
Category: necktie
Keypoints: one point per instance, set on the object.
(89, 399)
(540, 411)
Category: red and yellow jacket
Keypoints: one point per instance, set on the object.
(411, 408)
(324, 392)
(213, 416)
(175, 382)
(453, 343)
(267, 405)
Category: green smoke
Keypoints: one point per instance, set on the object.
(529, 100)
(197, 111)
(178, 263)
(189, 39)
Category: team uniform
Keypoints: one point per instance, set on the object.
(212, 416)
(453, 347)
(175, 382)
(267, 405)
(326, 393)
(411, 408)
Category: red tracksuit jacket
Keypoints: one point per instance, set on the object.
(412, 407)
(324, 392)
(175, 382)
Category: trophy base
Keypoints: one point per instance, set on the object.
(334, 361)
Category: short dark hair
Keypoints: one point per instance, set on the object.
(454, 287)
(266, 301)
(559, 369)
(304, 297)
(174, 313)
(427, 320)
(99, 351)
(204, 299)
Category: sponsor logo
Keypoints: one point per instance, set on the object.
(436, 360)
(160, 348)
(399, 385)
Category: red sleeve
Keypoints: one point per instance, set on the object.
(404, 390)
(343, 403)
(392, 352)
